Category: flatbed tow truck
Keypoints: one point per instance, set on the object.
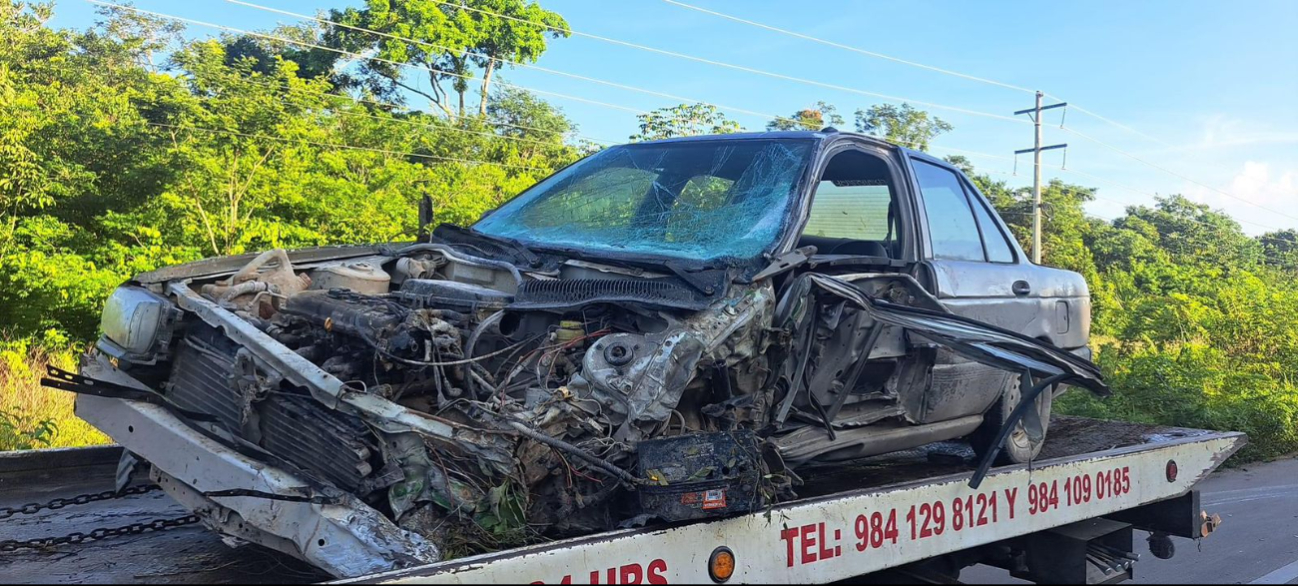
(1068, 517)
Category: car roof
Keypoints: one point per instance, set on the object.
(817, 135)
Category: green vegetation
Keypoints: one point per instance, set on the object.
(124, 148)
(32, 416)
(1192, 319)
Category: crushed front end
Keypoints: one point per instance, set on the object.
(384, 408)
(372, 409)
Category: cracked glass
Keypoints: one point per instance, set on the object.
(697, 200)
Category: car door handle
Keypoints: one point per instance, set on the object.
(1021, 288)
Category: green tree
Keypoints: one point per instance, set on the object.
(447, 39)
(500, 40)
(816, 117)
(901, 124)
(1195, 233)
(311, 62)
(683, 120)
(1280, 250)
(109, 169)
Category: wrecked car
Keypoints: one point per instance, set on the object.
(661, 331)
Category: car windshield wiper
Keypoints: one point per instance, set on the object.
(455, 234)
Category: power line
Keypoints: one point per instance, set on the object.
(849, 47)
(1118, 124)
(409, 65)
(407, 110)
(878, 55)
(1120, 186)
(981, 80)
(743, 68)
(686, 99)
(358, 55)
(1150, 195)
(431, 126)
(342, 146)
(502, 60)
(602, 81)
(1174, 173)
(556, 72)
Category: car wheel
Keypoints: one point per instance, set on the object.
(1019, 447)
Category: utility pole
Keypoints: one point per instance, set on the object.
(1035, 114)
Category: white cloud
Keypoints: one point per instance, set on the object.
(1259, 183)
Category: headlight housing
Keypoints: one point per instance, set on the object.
(137, 325)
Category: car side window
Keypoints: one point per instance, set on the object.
(951, 226)
(998, 246)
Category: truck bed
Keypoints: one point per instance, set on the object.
(194, 555)
(183, 555)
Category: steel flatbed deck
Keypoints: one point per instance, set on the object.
(866, 517)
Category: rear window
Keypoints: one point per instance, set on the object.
(852, 210)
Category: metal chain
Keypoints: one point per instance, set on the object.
(81, 499)
(11, 545)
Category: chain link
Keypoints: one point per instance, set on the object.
(81, 499)
(11, 545)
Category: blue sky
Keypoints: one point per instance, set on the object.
(1215, 83)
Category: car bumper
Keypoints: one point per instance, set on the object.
(326, 527)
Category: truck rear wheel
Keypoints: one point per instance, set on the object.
(1019, 447)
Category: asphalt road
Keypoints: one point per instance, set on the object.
(1257, 542)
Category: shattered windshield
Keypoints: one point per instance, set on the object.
(696, 200)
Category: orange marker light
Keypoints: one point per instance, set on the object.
(721, 564)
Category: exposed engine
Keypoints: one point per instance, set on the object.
(572, 370)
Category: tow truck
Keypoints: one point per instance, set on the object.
(246, 423)
(1067, 517)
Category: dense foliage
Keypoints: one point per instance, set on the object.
(109, 167)
(1191, 320)
(123, 148)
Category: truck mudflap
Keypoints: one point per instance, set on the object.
(848, 534)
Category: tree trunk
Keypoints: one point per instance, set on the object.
(486, 87)
(435, 98)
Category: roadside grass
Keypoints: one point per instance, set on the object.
(32, 416)
(1198, 386)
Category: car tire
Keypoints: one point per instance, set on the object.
(1018, 448)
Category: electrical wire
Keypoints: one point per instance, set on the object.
(1095, 115)
(341, 146)
(358, 55)
(1111, 200)
(743, 68)
(505, 61)
(1071, 105)
(1174, 173)
(850, 48)
(584, 78)
(683, 99)
(289, 91)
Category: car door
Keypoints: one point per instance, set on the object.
(976, 271)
